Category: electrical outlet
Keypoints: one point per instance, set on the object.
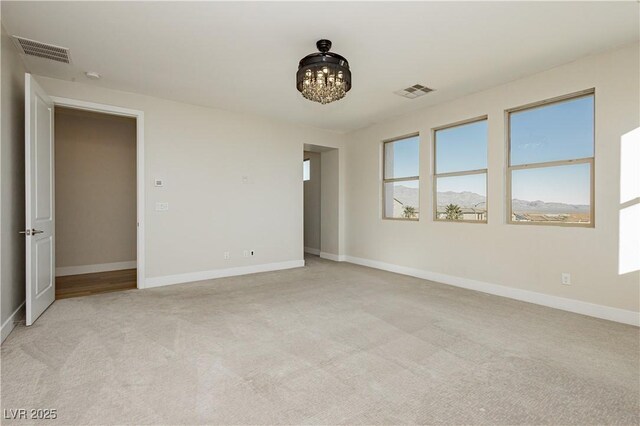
(227, 255)
(566, 278)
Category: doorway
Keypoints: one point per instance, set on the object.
(95, 202)
(321, 201)
(312, 202)
(40, 218)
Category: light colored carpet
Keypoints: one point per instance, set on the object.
(326, 344)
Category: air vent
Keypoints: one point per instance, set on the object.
(414, 91)
(42, 50)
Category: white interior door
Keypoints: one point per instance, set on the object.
(40, 209)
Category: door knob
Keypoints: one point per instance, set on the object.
(31, 232)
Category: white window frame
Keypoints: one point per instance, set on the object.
(437, 175)
(403, 179)
(587, 160)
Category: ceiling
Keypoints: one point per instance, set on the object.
(243, 56)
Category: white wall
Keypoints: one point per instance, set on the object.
(517, 256)
(12, 250)
(312, 204)
(203, 154)
(331, 199)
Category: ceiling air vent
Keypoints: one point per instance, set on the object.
(42, 50)
(414, 91)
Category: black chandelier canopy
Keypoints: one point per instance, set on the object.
(323, 76)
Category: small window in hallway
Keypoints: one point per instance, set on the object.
(306, 170)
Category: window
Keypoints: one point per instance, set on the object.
(400, 178)
(460, 181)
(629, 203)
(306, 170)
(551, 153)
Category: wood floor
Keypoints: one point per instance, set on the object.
(100, 282)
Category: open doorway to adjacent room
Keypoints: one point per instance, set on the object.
(95, 202)
(312, 202)
(320, 177)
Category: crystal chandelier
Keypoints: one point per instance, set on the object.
(323, 76)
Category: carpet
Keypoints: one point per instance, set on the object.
(330, 343)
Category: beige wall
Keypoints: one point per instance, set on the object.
(331, 192)
(12, 250)
(203, 154)
(95, 159)
(312, 203)
(519, 256)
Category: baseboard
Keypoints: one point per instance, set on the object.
(331, 256)
(220, 273)
(11, 322)
(312, 250)
(562, 303)
(90, 269)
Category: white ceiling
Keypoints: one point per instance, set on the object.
(243, 56)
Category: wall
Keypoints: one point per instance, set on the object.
(233, 183)
(95, 157)
(331, 191)
(12, 247)
(518, 257)
(312, 204)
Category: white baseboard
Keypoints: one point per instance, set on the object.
(331, 256)
(312, 250)
(90, 269)
(562, 303)
(220, 273)
(11, 322)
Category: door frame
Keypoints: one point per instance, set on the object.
(139, 116)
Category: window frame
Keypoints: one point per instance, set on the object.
(403, 179)
(437, 175)
(529, 166)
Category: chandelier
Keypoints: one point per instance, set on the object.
(323, 76)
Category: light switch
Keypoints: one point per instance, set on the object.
(162, 207)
